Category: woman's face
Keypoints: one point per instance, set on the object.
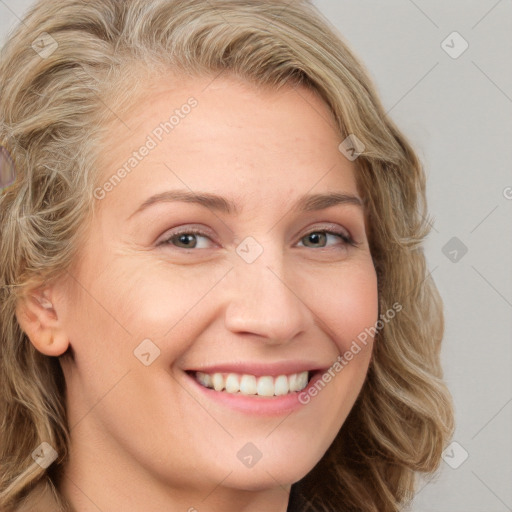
(265, 290)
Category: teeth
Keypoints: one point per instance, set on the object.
(248, 385)
(281, 386)
(218, 382)
(204, 379)
(298, 381)
(232, 383)
(265, 386)
(251, 385)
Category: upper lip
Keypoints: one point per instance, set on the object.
(260, 369)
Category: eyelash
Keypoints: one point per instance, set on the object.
(346, 238)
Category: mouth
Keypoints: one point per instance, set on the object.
(244, 384)
(258, 389)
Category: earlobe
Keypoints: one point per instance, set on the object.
(38, 319)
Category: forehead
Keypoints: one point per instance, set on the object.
(226, 135)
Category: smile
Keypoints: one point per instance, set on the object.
(251, 385)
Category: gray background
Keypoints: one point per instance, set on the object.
(457, 114)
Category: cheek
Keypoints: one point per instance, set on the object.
(161, 298)
(359, 305)
(347, 302)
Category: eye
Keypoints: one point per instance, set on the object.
(321, 237)
(189, 239)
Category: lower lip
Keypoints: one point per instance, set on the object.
(254, 404)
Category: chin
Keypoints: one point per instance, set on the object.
(259, 480)
(280, 470)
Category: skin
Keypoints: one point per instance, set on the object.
(143, 437)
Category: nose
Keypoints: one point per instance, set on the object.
(264, 302)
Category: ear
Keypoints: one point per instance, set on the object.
(37, 317)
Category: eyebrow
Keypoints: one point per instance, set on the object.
(308, 202)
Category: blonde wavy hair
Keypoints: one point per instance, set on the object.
(55, 109)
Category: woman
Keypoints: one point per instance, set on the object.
(214, 295)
